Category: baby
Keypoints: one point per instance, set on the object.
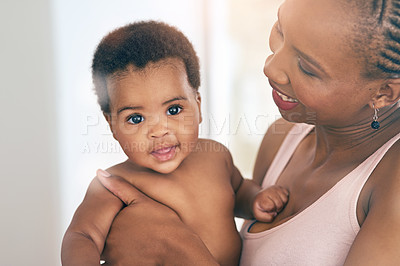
(146, 77)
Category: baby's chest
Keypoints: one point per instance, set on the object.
(201, 198)
(190, 193)
(204, 200)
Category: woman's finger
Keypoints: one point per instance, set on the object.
(122, 189)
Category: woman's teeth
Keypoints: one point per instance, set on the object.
(286, 98)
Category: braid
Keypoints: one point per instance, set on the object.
(389, 61)
(377, 7)
(376, 36)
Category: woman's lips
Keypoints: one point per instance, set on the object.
(164, 154)
(283, 102)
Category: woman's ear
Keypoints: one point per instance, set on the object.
(198, 100)
(109, 119)
(388, 94)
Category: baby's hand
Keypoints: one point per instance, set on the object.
(269, 202)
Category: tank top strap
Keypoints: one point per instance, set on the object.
(359, 176)
(368, 166)
(296, 134)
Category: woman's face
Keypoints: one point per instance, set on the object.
(314, 73)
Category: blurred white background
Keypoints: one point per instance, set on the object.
(53, 135)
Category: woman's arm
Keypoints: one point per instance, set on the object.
(147, 232)
(85, 237)
(378, 241)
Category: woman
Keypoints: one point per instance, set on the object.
(334, 65)
(335, 72)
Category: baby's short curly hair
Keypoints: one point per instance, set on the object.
(138, 44)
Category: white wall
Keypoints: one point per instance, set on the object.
(29, 224)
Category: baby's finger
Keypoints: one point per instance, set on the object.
(277, 201)
(284, 198)
(265, 203)
(283, 193)
(263, 216)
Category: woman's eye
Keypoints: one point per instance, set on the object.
(304, 69)
(135, 119)
(275, 39)
(174, 110)
(278, 29)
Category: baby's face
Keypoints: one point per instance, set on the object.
(155, 115)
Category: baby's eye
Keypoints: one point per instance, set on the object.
(174, 110)
(135, 119)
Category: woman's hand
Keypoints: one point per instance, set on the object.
(147, 232)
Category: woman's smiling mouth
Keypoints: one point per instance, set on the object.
(283, 101)
(286, 98)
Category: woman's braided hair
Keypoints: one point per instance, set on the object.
(378, 24)
(389, 18)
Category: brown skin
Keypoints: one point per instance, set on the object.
(173, 226)
(180, 189)
(340, 101)
(160, 237)
(197, 190)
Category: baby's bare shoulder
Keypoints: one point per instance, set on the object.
(212, 154)
(209, 146)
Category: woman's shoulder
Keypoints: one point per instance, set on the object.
(270, 145)
(383, 184)
(388, 169)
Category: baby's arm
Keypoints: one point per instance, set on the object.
(254, 202)
(85, 237)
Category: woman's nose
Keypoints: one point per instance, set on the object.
(274, 69)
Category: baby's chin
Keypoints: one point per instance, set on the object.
(166, 168)
(161, 168)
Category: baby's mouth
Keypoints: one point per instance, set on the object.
(164, 154)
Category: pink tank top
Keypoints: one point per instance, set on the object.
(323, 233)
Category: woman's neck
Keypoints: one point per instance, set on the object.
(356, 142)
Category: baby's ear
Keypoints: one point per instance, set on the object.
(198, 100)
(109, 119)
(388, 94)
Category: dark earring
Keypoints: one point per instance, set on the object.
(375, 124)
